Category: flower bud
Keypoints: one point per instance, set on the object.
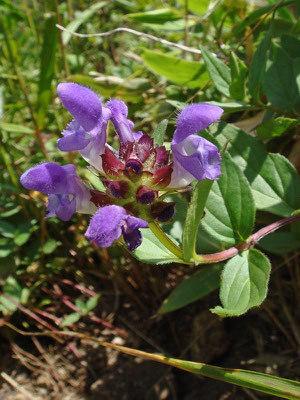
(163, 212)
(133, 167)
(146, 195)
(117, 188)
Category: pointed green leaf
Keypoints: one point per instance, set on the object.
(190, 74)
(159, 133)
(244, 283)
(274, 181)
(258, 67)
(280, 82)
(230, 211)
(275, 127)
(70, 319)
(154, 16)
(238, 72)
(50, 37)
(218, 71)
(152, 251)
(193, 288)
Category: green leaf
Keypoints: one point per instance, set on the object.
(6, 247)
(50, 38)
(159, 133)
(244, 283)
(258, 67)
(6, 229)
(196, 6)
(280, 83)
(255, 15)
(152, 251)
(274, 181)
(280, 243)
(81, 17)
(23, 233)
(50, 246)
(238, 72)
(230, 211)
(81, 305)
(218, 71)
(193, 217)
(14, 128)
(275, 127)
(229, 106)
(155, 16)
(92, 302)
(190, 74)
(70, 319)
(193, 288)
(12, 289)
(291, 45)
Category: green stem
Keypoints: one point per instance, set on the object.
(165, 240)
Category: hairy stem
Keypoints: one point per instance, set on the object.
(165, 240)
(253, 239)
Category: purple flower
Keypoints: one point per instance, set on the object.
(66, 193)
(194, 156)
(119, 112)
(87, 131)
(110, 222)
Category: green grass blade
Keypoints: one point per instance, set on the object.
(50, 37)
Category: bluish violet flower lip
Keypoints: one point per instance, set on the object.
(67, 194)
(194, 156)
(194, 119)
(124, 126)
(110, 222)
(73, 138)
(82, 103)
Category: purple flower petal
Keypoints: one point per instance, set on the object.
(82, 103)
(73, 138)
(110, 222)
(49, 178)
(132, 236)
(133, 223)
(133, 239)
(198, 156)
(124, 126)
(106, 225)
(66, 208)
(96, 146)
(194, 119)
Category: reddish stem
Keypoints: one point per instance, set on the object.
(253, 239)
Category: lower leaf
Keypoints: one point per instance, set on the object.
(244, 283)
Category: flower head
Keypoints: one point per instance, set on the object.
(135, 177)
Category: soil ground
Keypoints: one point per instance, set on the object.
(265, 339)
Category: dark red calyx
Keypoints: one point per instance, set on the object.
(100, 199)
(144, 147)
(162, 176)
(146, 195)
(163, 212)
(125, 150)
(133, 167)
(111, 164)
(117, 188)
(162, 157)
